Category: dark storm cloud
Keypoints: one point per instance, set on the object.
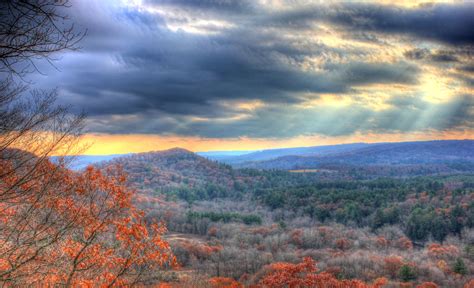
(437, 56)
(366, 73)
(467, 68)
(446, 23)
(232, 6)
(191, 88)
(141, 72)
(180, 73)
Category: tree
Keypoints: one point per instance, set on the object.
(407, 273)
(379, 219)
(419, 224)
(58, 227)
(457, 216)
(393, 264)
(31, 30)
(440, 228)
(427, 285)
(223, 282)
(459, 267)
(85, 230)
(304, 275)
(31, 129)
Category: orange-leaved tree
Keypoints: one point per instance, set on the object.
(58, 227)
(81, 229)
(224, 282)
(305, 274)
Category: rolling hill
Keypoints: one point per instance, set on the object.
(182, 172)
(449, 155)
(453, 153)
(269, 154)
(179, 169)
(189, 176)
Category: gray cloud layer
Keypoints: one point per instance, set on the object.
(138, 74)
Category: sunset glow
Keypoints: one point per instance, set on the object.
(121, 144)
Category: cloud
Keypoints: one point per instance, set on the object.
(233, 6)
(436, 56)
(445, 23)
(406, 114)
(173, 67)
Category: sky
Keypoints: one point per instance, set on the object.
(253, 74)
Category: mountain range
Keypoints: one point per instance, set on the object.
(444, 156)
(449, 152)
(270, 154)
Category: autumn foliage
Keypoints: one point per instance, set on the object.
(438, 250)
(74, 229)
(224, 282)
(393, 264)
(199, 250)
(427, 285)
(305, 274)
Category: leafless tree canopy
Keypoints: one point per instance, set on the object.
(32, 29)
(32, 126)
(29, 119)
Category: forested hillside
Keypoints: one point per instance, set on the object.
(386, 159)
(406, 229)
(192, 177)
(182, 175)
(276, 153)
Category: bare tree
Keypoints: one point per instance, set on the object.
(32, 128)
(29, 119)
(33, 29)
(59, 227)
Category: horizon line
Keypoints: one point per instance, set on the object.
(265, 149)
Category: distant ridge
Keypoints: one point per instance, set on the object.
(171, 151)
(440, 152)
(385, 153)
(222, 155)
(280, 152)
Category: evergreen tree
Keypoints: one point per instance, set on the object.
(440, 229)
(406, 273)
(419, 225)
(457, 216)
(459, 267)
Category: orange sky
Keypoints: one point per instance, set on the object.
(102, 144)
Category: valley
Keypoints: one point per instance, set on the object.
(375, 214)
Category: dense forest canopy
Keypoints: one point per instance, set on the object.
(225, 216)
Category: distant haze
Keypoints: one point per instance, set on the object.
(406, 153)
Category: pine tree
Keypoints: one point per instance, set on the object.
(406, 273)
(459, 267)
